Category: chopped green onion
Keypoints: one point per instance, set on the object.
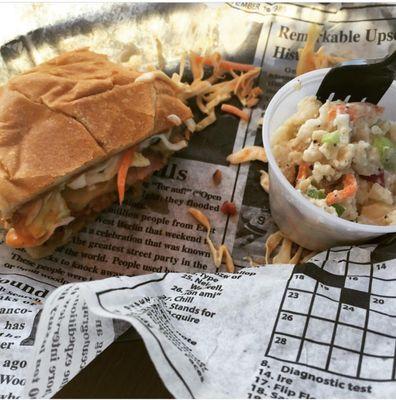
(316, 194)
(331, 138)
(387, 151)
(339, 209)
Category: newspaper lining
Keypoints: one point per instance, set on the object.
(319, 330)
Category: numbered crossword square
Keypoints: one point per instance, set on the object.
(361, 283)
(386, 305)
(325, 308)
(297, 301)
(285, 347)
(293, 324)
(314, 354)
(319, 330)
(377, 368)
(383, 271)
(303, 282)
(348, 337)
(379, 345)
(330, 292)
(344, 362)
(352, 315)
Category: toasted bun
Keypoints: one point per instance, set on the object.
(70, 113)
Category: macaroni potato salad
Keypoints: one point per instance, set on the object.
(342, 158)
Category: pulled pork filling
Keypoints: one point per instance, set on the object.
(88, 193)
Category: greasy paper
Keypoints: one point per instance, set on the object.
(273, 322)
(315, 330)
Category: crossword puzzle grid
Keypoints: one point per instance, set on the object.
(336, 321)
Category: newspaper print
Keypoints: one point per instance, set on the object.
(157, 234)
(322, 330)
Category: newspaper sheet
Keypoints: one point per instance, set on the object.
(323, 329)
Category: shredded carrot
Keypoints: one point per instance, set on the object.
(349, 190)
(354, 110)
(219, 254)
(256, 91)
(303, 171)
(309, 59)
(332, 114)
(337, 109)
(214, 90)
(306, 60)
(226, 65)
(126, 161)
(228, 108)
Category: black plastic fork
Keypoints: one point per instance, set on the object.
(359, 79)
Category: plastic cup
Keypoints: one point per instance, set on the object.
(299, 219)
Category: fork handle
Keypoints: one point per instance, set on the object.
(390, 63)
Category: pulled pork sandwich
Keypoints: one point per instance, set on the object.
(75, 133)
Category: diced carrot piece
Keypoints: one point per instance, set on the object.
(227, 65)
(303, 171)
(349, 190)
(228, 108)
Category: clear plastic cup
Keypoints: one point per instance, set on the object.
(299, 219)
